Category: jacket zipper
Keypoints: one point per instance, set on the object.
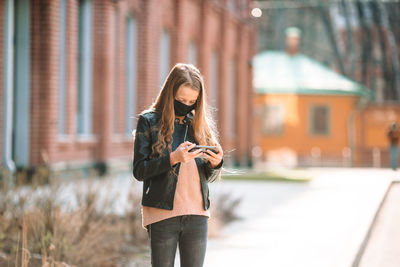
(148, 188)
(186, 130)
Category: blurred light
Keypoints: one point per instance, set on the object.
(257, 152)
(256, 12)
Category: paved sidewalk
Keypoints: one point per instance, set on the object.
(383, 246)
(317, 224)
(321, 223)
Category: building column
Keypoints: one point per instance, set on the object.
(149, 55)
(251, 52)
(223, 67)
(242, 97)
(179, 51)
(2, 48)
(102, 77)
(71, 78)
(44, 80)
(204, 49)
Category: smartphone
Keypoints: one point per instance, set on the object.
(204, 148)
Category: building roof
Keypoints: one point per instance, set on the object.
(278, 72)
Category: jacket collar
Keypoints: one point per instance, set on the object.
(189, 117)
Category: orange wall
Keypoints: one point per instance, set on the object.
(375, 121)
(296, 133)
(372, 126)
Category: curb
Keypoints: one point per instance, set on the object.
(364, 244)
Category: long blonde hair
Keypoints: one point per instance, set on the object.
(204, 129)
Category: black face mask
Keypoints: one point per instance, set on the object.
(182, 109)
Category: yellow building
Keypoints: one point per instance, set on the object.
(307, 115)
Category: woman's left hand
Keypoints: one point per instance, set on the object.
(213, 158)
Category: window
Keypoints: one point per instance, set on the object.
(192, 56)
(7, 86)
(164, 56)
(214, 80)
(21, 82)
(85, 69)
(273, 120)
(231, 97)
(130, 103)
(61, 87)
(320, 120)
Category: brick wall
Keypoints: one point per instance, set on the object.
(120, 63)
(210, 25)
(1, 78)
(223, 17)
(102, 76)
(243, 95)
(252, 50)
(121, 144)
(67, 148)
(71, 76)
(44, 79)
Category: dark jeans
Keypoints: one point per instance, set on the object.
(394, 154)
(189, 231)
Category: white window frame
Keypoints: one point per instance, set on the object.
(85, 69)
(131, 80)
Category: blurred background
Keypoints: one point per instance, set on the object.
(298, 83)
(293, 85)
(328, 91)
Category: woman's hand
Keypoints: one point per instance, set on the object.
(213, 158)
(182, 154)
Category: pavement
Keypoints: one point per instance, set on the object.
(383, 244)
(322, 223)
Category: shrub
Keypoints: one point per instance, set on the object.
(74, 224)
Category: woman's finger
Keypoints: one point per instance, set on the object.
(185, 144)
(190, 146)
(208, 157)
(211, 153)
(220, 152)
(214, 159)
(196, 153)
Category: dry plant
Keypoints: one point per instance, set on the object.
(74, 224)
(138, 234)
(223, 212)
(225, 207)
(37, 229)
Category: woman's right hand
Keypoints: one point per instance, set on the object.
(182, 154)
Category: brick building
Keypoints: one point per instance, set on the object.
(74, 74)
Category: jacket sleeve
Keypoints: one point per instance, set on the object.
(144, 167)
(213, 174)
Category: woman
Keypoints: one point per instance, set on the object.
(175, 201)
(393, 135)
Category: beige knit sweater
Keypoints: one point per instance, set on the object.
(188, 197)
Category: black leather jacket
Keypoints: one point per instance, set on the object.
(158, 176)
